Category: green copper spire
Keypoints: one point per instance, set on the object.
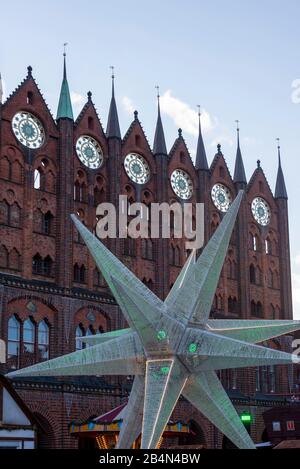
(64, 110)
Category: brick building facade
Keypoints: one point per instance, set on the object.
(52, 292)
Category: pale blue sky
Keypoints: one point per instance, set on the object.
(237, 59)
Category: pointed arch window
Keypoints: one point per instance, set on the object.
(47, 219)
(252, 274)
(79, 332)
(28, 343)
(43, 340)
(37, 179)
(13, 342)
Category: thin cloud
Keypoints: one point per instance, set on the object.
(78, 101)
(184, 116)
(128, 105)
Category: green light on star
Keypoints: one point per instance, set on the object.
(193, 348)
(165, 370)
(161, 335)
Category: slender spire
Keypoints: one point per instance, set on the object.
(159, 145)
(201, 160)
(64, 110)
(113, 127)
(280, 191)
(239, 171)
(1, 89)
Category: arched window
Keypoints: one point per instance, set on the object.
(89, 331)
(14, 215)
(268, 246)
(260, 312)
(37, 264)
(37, 179)
(271, 278)
(79, 332)
(257, 380)
(5, 168)
(47, 223)
(77, 191)
(177, 258)
(129, 246)
(253, 308)
(232, 305)
(13, 342)
(4, 212)
(29, 99)
(76, 273)
(272, 312)
(28, 336)
(14, 260)
(43, 341)
(255, 243)
(82, 274)
(272, 378)
(90, 123)
(47, 267)
(3, 257)
(252, 274)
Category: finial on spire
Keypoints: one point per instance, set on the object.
(65, 45)
(89, 95)
(219, 152)
(180, 133)
(136, 115)
(112, 68)
(199, 114)
(29, 70)
(278, 145)
(64, 55)
(258, 163)
(238, 130)
(157, 89)
(159, 144)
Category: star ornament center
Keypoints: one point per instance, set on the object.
(172, 347)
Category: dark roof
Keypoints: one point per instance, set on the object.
(280, 190)
(113, 127)
(201, 159)
(159, 145)
(239, 170)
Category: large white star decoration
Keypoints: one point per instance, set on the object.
(172, 347)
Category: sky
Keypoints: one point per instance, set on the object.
(238, 60)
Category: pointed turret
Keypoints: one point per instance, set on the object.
(280, 191)
(201, 160)
(159, 144)
(64, 110)
(239, 171)
(113, 127)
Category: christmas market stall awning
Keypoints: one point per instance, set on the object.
(111, 422)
